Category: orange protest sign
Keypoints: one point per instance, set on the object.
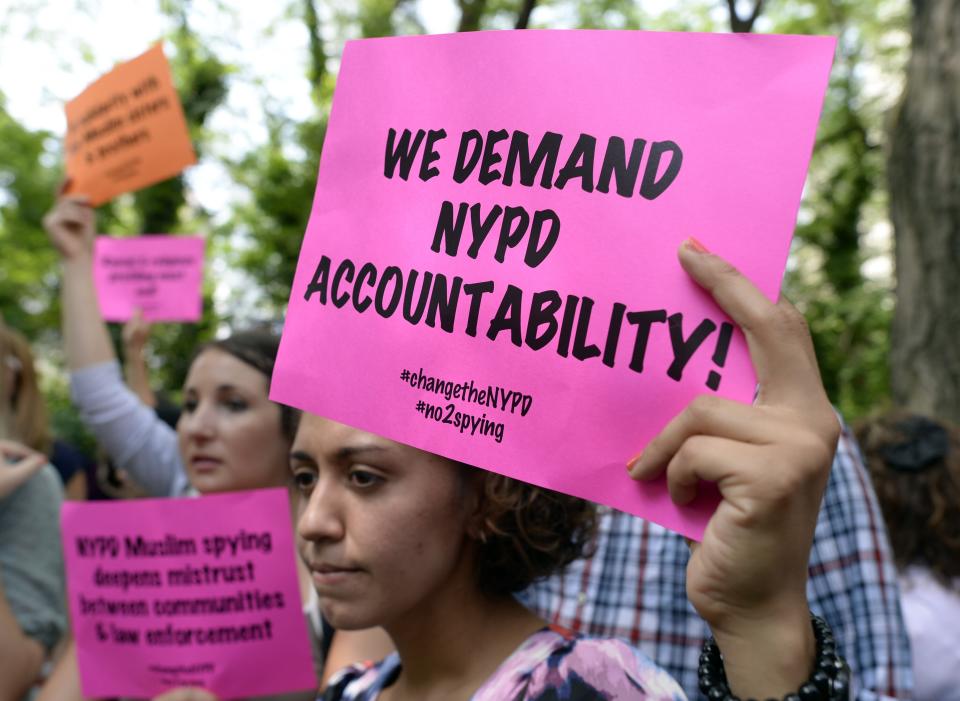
(126, 130)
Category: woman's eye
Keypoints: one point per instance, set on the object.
(190, 406)
(235, 404)
(304, 480)
(364, 479)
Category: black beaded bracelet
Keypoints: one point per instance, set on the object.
(829, 681)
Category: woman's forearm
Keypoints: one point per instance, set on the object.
(63, 684)
(84, 332)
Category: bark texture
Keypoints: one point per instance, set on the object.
(924, 172)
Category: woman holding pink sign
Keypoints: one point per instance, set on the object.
(425, 547)
(230, 436)
(432, 550)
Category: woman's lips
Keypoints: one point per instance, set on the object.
(325, 576)
(205, 463)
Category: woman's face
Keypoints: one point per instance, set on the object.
(229, 432)
(382, 525)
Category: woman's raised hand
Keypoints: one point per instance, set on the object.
(771, 462)
(70, 225)
(136, 332)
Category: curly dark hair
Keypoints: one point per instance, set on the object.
(914, 462)
(258, 349)
(525, 533)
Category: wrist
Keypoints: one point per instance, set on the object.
(78, 262)
(764, 669)
(768, 656)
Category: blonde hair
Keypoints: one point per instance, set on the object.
(27, 414)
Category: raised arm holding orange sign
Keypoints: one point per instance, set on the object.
(126, 130)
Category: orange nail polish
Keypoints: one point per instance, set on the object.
(633, 461)
(695, 245)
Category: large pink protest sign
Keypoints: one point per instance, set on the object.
(186, 592)
(489, 271)
(160, 275)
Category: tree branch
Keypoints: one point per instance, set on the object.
(526, 8)
(742, 25)
(318, 57)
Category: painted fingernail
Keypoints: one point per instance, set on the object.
(632, 462)
(695, 245)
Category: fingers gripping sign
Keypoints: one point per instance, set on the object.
(70, 225)
(770, 462)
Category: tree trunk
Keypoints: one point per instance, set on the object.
(924, 172)
(523, 17)
(743, 25)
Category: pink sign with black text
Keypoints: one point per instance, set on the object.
(200, 592)
(159, 274)
(489, 271)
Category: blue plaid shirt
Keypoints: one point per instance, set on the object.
(634, 588)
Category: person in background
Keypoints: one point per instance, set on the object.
(230, 435)
(30, 421)
(32, 611)
(852, 584)
(136, 334)
(110, 481)
(915, 465)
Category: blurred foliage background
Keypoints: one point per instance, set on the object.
(840, 273)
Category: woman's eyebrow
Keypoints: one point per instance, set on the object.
(341, 455)
(301, 456)
(351, 451)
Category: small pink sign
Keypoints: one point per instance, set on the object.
(490, 269)
(159, 274)
(186, 592)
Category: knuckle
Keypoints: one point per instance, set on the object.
(769, 316)
(689, 453)
(818, 451)
(702, 408)
(725, 270)
(761, 318)
(793, 321)
(725, 275)
(832, 429)
(682, 458)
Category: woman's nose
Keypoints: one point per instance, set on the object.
(321, 516)
(199, 423)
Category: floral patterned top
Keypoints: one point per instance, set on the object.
(550, 665)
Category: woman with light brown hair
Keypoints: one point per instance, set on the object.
(28, 409)
(28, 417)
(32, 615)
